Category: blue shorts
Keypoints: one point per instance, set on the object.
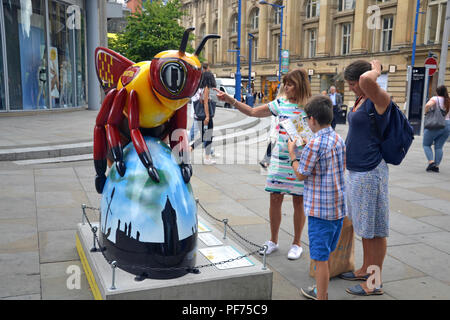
(323, 237)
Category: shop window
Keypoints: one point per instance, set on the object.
(62, 49)
(80, 62)
(26, 54)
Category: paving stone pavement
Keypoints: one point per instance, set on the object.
(40, 206)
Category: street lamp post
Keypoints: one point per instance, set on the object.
(237, 94)
(281, 35)
(249, 98)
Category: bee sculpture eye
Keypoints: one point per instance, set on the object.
(173, 76)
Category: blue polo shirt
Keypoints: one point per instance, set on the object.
(363, 145)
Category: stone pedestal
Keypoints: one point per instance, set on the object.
(249, 282)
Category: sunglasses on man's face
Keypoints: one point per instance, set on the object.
(306, 118)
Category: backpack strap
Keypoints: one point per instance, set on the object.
(373, 123)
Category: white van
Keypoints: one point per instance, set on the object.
(226, 85)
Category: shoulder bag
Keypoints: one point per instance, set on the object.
(435, 118)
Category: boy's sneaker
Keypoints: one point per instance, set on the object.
(209, 161)
(310, 293)
(295, 252)
(271, 247)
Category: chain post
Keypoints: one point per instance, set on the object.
(83, 208)
(113, 280)
(225, 223)
(94, 232)
(264, 257)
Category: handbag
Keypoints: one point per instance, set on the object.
(199, 110)
(435, 118)
(342, 259)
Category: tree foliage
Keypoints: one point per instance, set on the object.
(151, 30)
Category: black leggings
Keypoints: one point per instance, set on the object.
(207, 136)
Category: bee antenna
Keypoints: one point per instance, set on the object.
(202, 44)
(185, 39)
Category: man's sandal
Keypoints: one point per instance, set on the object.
(352, 277)
(359, 291)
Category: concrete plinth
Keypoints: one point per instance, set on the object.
(212, 283)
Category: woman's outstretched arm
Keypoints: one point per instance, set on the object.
(258, 112)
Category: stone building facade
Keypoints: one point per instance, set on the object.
(322, 36)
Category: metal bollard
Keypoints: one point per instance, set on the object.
(264, 257)
(225, 222)
(113, 267)
(94, 231)
(83, 208)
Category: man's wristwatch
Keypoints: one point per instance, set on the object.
(292, 161)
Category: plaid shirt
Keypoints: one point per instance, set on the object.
(323, 162)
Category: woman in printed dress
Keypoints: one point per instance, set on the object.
(281, 179)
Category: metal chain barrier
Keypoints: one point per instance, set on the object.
(114, 264)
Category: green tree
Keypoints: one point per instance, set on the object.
(151, 30)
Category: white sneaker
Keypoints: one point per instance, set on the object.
(271, 247)
(209, 161)
(295, 252)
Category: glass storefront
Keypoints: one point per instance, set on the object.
(45, 54)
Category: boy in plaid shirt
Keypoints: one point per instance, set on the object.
(321, 166)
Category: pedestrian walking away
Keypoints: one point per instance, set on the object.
(367, 173)
(437, 135)
(321, 166)
(281, 178)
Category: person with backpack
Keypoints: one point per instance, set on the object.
(437, 135)
(367, 172)
(204, 110)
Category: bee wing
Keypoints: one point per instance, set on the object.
(110, 66)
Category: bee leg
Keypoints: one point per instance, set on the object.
(100, 143)
(179, 142)
(113, 135)
(138, 139)
(186, 172)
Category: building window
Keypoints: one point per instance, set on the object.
(254, 19)
(276, 41)
(231, 54)
(346, 37)
(312, 8)
(346, 5)
(234, 24)
(435, 21)
(386, 33)
(312, 36)
(255, 49)
(277, 16)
